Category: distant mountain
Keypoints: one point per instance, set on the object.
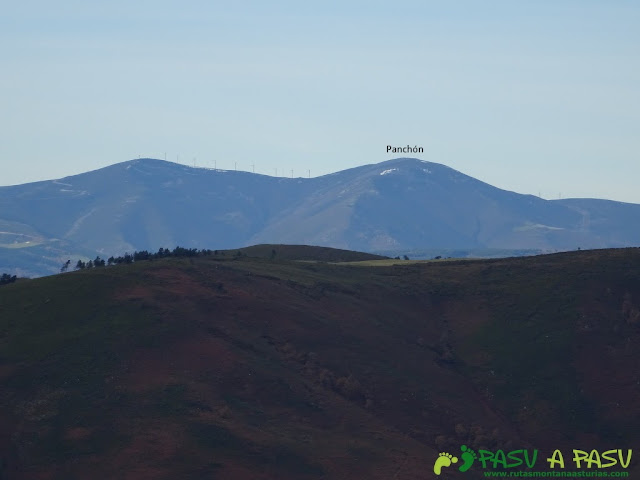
(402, 204)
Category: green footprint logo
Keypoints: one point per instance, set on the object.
(444, 460)
(468, 457)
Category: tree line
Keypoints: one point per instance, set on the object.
(6, 278)
(138, 256)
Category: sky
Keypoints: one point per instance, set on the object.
(535, 96)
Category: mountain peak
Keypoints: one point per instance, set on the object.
(402, 203)
(415, 163)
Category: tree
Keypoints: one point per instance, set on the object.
(65, 266)
(6, 278)
(142, 255)
(80, 265)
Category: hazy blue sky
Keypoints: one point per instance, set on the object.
(531, 96)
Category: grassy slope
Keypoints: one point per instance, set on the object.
(304, 253)
(272, 369)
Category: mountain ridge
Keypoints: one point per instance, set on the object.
(401, 204)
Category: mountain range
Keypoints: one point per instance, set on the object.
(400, 205)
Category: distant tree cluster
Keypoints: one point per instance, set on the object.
(6, 278)
(139, 256)
(98, 262)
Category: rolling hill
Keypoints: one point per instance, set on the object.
(281, 367)
(396, 206)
